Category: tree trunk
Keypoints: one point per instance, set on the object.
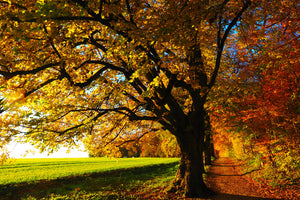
(189, 177)
(212, 148)
(208, 150)
(189, 131)
(207, 142)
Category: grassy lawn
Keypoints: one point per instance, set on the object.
(87, 178)
(27, 170)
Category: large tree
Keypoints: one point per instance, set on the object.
(72, 69)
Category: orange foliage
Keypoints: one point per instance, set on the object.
(153, 144)
(260, 102)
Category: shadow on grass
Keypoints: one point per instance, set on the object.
(103, 185)
(134, 183)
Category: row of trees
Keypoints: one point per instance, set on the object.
(260, 105)
(153, 144)
(111, 71)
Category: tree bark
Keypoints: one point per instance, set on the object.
(212, 150)
(208, 150)
(207, 140)
(189, 177)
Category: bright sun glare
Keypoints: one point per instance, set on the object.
(18, 150)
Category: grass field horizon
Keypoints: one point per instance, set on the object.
(122, 178)
(33, 169)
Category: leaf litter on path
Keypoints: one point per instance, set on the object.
(226, 178)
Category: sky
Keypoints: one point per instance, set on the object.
(17, 150)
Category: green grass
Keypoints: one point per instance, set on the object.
(112, 179)
(28, 170)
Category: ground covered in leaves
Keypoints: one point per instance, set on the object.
(225, 176)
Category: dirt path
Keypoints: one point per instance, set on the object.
(226, 179)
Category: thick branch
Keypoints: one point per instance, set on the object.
(99, 72)
(221, 42)
(72, 111)
(95, 43)
(33, 71)
(128, 112)
(73, 18)
(1, 106)
(39, 87)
